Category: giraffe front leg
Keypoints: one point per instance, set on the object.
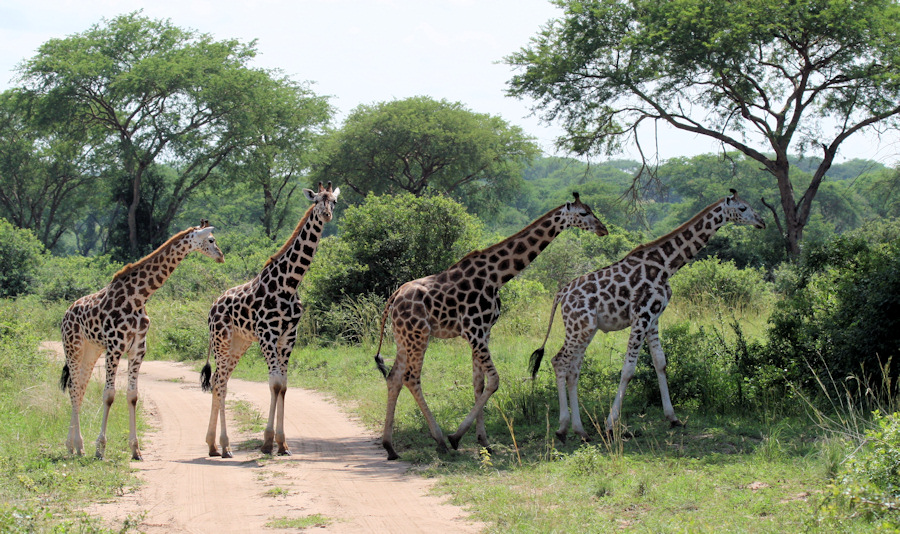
(659, 363)
(483, 358)
(478, 386)
(635, 340)
(109, 396)
(134, 369)
(285, 345)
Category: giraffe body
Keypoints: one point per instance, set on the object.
(114, 320)
(632, 292)
(463, 301)
(265, 310)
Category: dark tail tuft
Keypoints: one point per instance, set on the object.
(205, 375)
(64, 379)
(379, 361)
(534, 363)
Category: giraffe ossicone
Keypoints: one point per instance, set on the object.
(266, 310)
(632, 292)
(114, 320)
(463, 301)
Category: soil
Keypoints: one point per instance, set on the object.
(338, 472)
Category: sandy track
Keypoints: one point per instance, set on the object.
(337, 470)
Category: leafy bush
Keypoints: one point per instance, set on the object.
(20, 255)
(355, 319)
(841, 312)
(869, 485)
(387, 241)
(72, 277)
(710, 281)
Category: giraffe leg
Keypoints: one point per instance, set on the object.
(561, 364)
(276, 382)
(228, 349)
(394, 381)
(635, 340)
(109, 395)
(413, 380)
(285, 345)
(478, 386)
(572, 386)
(659, 363)
(134, 369)
(482, 357)
(80, 358)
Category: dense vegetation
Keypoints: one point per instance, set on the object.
(784, 358)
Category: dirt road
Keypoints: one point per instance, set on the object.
(338, 470)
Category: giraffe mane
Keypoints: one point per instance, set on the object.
(517, 234)
(681, 227)
(290, 240)
(128, 269)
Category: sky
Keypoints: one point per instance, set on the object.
(365, 51)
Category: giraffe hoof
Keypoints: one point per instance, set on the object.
(213, 453)
(227, 454)
(675, 423)
(285, 452)
(137, 457)
(454, 442)
(266, 449)
(561, 436)
(392, 455)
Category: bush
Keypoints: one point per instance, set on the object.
(387, 241)
(20, 255)
(869, 486)
(72, 277)
(355, 319)
(841, 312)
(711, 282)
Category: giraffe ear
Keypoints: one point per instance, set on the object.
(310, 196)
(337, 191)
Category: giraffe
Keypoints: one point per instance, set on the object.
(114, 320)
(265, 309)
(633, 292)
(463, 301)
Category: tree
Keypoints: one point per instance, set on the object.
(44, 173)
(421, 145)
(280, 137)
(150, 93)
(783, 75)
(20, 255)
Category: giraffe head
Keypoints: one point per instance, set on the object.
(738, 211)
(580, 215)
(201, 239)
(323, 200)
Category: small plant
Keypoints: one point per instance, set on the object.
(277, 492)
(314, 520)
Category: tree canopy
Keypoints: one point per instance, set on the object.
(422, 146)
(148, 93)
(760, 76)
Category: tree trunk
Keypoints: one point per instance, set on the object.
(133, 207)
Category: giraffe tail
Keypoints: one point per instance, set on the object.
(379, 361)
(534, 362)
(206, 372)
(64, 379)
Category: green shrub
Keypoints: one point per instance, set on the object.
(72, 277)
(869, 484)
(387, 241)
(841, 311)
(355, 319)
(20, 255)
(712, 282)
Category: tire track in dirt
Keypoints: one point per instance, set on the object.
(337, 470)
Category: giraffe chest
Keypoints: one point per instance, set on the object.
(254, 311)
(107, 320)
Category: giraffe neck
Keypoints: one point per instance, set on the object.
(288, 266)
(676, 248)
(150, 273)
(509, 257)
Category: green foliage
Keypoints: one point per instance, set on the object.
(423, 146)
(71, 277)
(710, 282)
(869, 484)
(20, 256)
(387, 241)
(841, 314)
(354, 319)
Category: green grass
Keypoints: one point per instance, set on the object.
(314, 520)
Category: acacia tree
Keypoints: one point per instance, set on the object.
(761, 76)
(421, 145)
(150, 93)
(45, 178)
(280, 136)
